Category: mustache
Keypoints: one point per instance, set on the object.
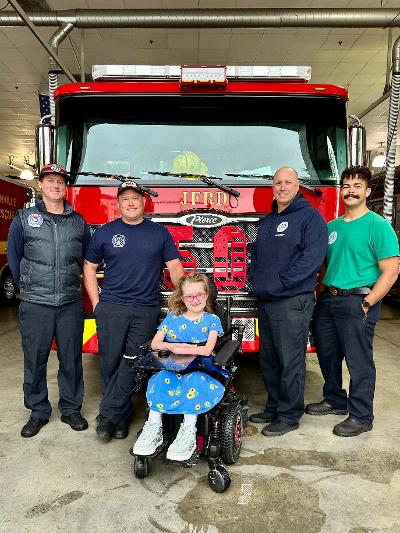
(351, 195)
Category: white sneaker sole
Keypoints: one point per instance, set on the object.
(146, 451)
(180, 457)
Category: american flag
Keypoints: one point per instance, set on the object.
(44, 103)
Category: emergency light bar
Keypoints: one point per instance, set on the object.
(208, 75)
(286, 73)
(191, 74)
(124, 72)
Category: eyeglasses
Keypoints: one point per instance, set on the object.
(192, 297)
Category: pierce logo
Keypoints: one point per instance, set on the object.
(204, 220)
(282, 226)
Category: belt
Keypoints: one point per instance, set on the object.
(344, 292)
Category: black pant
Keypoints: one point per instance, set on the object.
(343, 331)
(120, 328)
(40, 324)
(284, 326)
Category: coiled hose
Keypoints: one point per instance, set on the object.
(53, 84)
(392, 134)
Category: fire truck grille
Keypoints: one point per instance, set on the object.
(201, 248)
(249, 328)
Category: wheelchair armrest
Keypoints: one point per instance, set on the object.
(163, 354)
(226, 352)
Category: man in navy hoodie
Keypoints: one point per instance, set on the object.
(290, 247)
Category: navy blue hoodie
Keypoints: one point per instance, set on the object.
(289, 249)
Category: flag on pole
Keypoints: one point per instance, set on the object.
(44, 104)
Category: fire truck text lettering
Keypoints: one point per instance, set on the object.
(8, 200)
(222, 198)
(206, 198)
(6, 214)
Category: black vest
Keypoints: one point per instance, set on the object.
(52, 263)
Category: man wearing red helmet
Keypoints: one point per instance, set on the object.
(46, 246)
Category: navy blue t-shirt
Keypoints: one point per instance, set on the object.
(134, 255)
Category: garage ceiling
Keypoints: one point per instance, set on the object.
(353, 58)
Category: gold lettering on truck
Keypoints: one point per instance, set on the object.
(195, 197)
(205, 198)
(208, 198)
(222, 198)
(184, 199)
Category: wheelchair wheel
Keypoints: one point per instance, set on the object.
(141, 466)
(219, 479)
(231, 434)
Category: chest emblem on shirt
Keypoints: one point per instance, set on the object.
(282, 226)
(35, 220)
(118, 240)
(332, 237)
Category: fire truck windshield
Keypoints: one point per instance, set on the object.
(247, 135)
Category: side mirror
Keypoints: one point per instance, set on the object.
(357, 153)
(44, 140)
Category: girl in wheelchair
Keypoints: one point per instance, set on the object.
(189, 330)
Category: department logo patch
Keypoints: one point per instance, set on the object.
(332, 237)
(35, 220)
(118, 241)
(282, 226)
(55, 168)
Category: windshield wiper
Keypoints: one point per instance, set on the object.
(265, 176)
(118, 177)
(209, 180)
(303, 183)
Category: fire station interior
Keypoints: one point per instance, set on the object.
(307, 481)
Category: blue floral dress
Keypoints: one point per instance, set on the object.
(194, 393)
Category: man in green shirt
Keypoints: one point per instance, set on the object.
(361, 266)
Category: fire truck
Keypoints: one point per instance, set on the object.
(206, 141)
(13, 196)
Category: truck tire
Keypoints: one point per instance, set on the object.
(8, 290)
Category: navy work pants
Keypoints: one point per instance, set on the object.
(344, 332)
(284, 326)
(39, 325)
(120, 329)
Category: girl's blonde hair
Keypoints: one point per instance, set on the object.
(177, 305)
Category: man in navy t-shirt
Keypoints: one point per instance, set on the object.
(134, 251)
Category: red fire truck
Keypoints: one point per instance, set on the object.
(13, 196)
(207, 140)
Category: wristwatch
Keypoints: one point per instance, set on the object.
(366, 305)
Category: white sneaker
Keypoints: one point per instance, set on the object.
(149, 440)
(184, 444)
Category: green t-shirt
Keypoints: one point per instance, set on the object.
(354, 249)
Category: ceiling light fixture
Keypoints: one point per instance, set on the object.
(26, 174)
(379, 160)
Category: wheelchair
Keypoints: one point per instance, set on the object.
(220, 430)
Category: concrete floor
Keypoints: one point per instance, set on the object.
(304, 482)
